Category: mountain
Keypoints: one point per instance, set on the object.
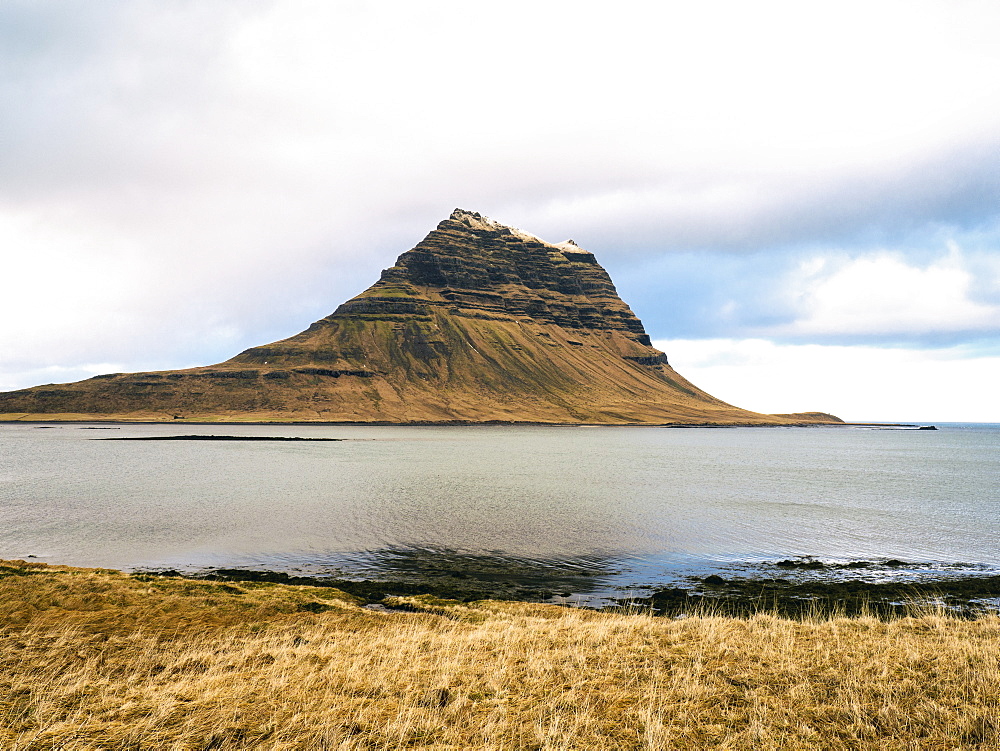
(478, 323)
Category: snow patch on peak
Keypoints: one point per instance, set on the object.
(475, 220)
(570, 246)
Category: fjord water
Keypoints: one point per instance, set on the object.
(634, 506)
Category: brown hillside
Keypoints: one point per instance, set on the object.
(479, 322)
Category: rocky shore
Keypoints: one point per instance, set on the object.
(968, 595)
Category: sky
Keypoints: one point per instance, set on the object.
(801, 201)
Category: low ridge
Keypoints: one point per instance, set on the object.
(479, 322)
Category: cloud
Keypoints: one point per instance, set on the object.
(856, 383)
(704, 126)
(929, 295)
(883, 295)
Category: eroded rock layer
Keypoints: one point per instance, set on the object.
(479, 322)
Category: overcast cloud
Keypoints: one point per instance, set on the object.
(181, 180)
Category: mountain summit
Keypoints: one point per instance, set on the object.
(479, 322)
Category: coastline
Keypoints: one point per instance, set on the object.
(966, 596)
(450, 423)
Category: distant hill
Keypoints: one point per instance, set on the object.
(478, 323)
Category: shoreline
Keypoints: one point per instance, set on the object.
(458, 423)
(966, 596)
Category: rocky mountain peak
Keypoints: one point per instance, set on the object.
(476, 221)
(474, 266)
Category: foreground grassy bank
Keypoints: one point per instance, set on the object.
(94, 659)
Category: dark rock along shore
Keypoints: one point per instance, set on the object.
(477, 578)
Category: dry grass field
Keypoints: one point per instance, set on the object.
(96, 659)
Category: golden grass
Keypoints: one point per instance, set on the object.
(100, 660)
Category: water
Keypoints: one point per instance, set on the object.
(603, 508)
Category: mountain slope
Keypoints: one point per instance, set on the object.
(479, 322)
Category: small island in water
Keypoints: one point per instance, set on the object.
(479, 323)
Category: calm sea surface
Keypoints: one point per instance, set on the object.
(628, 507)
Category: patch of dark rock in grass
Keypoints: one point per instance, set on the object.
(451, 587)
(6, 571)
(744, 597)
(450, 576)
